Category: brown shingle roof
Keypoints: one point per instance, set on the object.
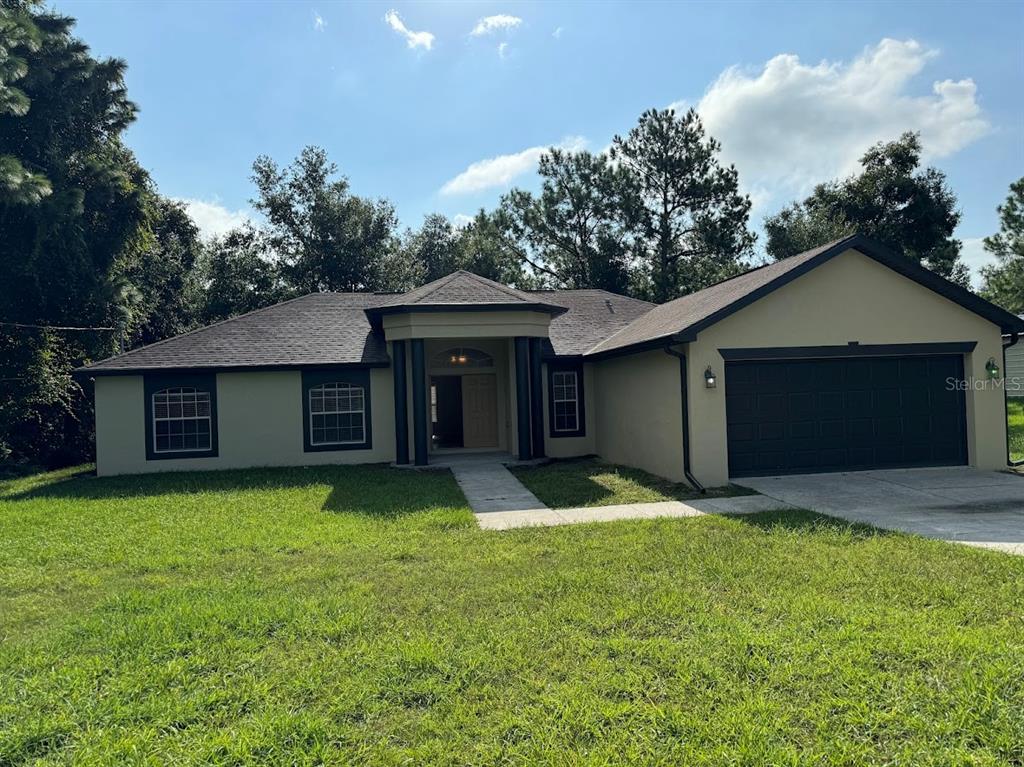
(593, 315)
(318, 329)
(334, 328)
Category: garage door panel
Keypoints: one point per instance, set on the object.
(803, 404)
(840, 414)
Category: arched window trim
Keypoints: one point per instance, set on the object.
(462, 358)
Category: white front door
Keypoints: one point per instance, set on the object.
(480, 410)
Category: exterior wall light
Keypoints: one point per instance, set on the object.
(992, 368)
(710, 379)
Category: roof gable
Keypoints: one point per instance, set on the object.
(680, 321)
(460, 290)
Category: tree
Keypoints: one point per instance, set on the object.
(238, 275)
(690, 224)
(1003, 283)
(910, 210)
(486, 251)
(324, 237)
(73, 220)
(432, 250)
(574, 234)
(165, 277)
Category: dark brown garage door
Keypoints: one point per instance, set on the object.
(797, 416)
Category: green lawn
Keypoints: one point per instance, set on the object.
(589, 482)
(358, 616)
(1015, 417)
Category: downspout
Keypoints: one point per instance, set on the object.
(1014, 338)
(684, 395)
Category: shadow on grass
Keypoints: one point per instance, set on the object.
(801, 520)
(375, 490)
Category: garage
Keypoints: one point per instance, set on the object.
(794, 416)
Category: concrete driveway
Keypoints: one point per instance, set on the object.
(962, 505)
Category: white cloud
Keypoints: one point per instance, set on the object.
(412, 39)
(490, 24)
(461, 220)
(502, 50)
(791, 125)
(212, 218)
(557, 34)
(502, 170)
(975, 256)
(318, 22)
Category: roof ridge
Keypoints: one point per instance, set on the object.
(437, 284)
(218, 323)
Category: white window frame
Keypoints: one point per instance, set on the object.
(181, 392)
(575, 399)
(337, 387)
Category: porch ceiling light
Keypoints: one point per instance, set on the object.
(710, 379)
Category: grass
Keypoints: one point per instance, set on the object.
(1015, 419)
(581, 482)
(358, 616)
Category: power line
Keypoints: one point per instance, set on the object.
(51, 327)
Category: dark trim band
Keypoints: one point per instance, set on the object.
(850, 350)
(228, 369)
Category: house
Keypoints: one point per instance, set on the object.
(841, 358)
(1013, 369)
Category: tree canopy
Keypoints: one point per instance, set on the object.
(690, 220)
(1003, 283)
(893, 200)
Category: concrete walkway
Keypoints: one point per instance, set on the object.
(747, 504)
(500, 501)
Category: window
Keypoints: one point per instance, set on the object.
(181, 420)
(565, 400)
(337, 414)
(462, 358)
(181, 416)
(336, 409)
(567, 411)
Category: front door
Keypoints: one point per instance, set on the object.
(480, 410)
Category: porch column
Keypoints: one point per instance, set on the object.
(419, 402)
(523, 397)
(536, 398)
(401, 406)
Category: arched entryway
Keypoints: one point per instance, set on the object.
(463, 399)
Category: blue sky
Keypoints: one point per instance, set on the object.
(444, 106)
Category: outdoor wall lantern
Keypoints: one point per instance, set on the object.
(710, 380)
(992, 368)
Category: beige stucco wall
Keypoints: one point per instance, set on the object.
(850, 298)
(568, 447)
(259, 422)
(638, 412)
(497, 324)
